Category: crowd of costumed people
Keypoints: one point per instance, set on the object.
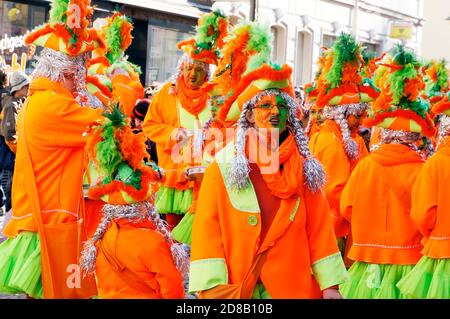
(226, 183)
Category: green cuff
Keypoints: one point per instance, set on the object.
(207, 273)
(330, 271)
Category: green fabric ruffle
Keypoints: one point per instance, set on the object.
(173, 201)
(183, 231)
(430, 279)
(20, 265)
(374, 281)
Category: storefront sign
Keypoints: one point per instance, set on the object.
(401, 31)
(14, 66)
(11, 43)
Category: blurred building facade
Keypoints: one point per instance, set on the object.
(300, 27)
(436, 30)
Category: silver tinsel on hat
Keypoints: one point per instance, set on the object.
(401, 137)
(339, 115)
(313, 173)
(57, 66)
(444, 128)
(136, 213)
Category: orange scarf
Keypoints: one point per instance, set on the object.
(395, 154)
(283, 183)
(193, 101)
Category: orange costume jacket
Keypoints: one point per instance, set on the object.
(377, 203)
(134, 261)
(54, 127)
(303, 256)
(328, 148)
(164, 117)
(431, 203)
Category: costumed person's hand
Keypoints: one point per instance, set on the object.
(331, 293)
(187, 176)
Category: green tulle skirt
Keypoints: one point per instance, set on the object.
(20, 265)
(430, 279)
(183, 231)
(173, 201)
(373, 281)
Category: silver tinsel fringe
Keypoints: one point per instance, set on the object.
(56, 66)
(239, 170)
(444, 128)
(94, 102)
(199, 139)
(339, 115)
(401, 137)
(313, 173)
(135, 213)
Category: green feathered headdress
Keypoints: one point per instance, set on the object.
(205, 46)
(436, 78)
(248, 47)
(117, 34)
(399, 106)
(340, 81)
(118, 166)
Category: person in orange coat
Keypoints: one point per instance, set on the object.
(258, 202)
(131, 251)
(133, 256)
(430, 278)
(180, 111)
(377, 198)
(49, 165)
(337, 144)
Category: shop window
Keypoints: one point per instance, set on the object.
(16, 19)
(163, 53)
(328, 40)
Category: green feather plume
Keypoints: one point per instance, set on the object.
(345, 49)
(419, 106)
(58, 11)
(210, 21)
(260, 41)
(442, 76)
(397, 79)
(116, 117)
(107, 151)
(114, 40)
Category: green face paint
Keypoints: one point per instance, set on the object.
(271, 112)
(283, 112)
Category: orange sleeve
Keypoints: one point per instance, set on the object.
(71, 121)
(321, 237)
(346, 203)
(425, 199)
(155, 127)
(206, 233)
(167, 275)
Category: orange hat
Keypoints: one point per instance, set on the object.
(340, 81)
(399, 106)
(67, 30)
(211, 29)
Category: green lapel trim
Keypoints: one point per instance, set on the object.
(297, 204)
(244, 200)
(188, 121)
